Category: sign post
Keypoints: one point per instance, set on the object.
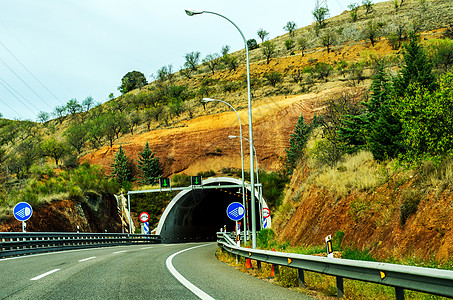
(22, 212)
(195, 180)
(236, 211)
(144, 217)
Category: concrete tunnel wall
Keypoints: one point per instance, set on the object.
(198, 214)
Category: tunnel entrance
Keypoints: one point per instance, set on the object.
(197, 214)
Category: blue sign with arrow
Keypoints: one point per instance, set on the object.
(235, 211)
(22, 211)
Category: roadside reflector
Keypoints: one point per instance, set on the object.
(250, 254)
(382, 275)
(289, 260)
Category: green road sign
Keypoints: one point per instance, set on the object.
(164, 183)
(195, 180)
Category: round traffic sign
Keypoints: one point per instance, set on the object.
(266, 212)
(235, 211)
(144, 217)
(22, 211)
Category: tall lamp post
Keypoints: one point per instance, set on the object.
(260, 189)
(242, 157)
(252, 177)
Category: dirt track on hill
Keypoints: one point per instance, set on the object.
(202, 144)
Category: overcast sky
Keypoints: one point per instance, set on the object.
(54, 50)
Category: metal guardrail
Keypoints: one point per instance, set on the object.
(427, 280)
(17, 243)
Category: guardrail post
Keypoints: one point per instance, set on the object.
(301, 277)
(258, 265)
(340, 288)
(399, 293)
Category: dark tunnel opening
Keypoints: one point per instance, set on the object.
(200, 213)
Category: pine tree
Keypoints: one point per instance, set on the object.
(383, 126)
(149, 165)
(121, 171)
(416, 69)
(297, 143)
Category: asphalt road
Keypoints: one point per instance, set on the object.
(132, 272)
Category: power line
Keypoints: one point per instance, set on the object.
(37, 59)
(26, 84)
(6, 104)
(29, 72)
(9, 88)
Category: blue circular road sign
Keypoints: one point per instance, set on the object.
(235, 211)
(22, 211)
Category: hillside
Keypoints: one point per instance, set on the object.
(189, 137)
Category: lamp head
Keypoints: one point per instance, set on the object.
(208, 100)
(232, 137)
(191, 12)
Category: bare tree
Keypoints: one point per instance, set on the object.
(262, 34)
(290, 27)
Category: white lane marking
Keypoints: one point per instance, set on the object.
(56, 252)
(45, 274)
(85, 259)
(184, 281)
(119, 251)
(146, 248)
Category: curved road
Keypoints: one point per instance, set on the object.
(132, 272)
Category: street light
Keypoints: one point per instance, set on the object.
(252, 177)
(242, 156)
(260, 189)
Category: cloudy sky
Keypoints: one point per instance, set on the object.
(54, 50)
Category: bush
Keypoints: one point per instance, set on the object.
(252, 44)
(273, 78)
(264, 237)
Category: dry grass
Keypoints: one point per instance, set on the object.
(355, 172)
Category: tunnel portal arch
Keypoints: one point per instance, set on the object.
(197, 214)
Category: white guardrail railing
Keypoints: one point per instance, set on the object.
(427, 280)
(18, 243)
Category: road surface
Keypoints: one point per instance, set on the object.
(162, 271)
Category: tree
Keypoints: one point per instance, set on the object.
(273, 78)
(323, 70)
(212, 61)
(416, 68)
(225, 50)
(252, 44)
(297, 143)
(232, 62)
(43, 117)
(303, 44)
(290, 27)
(192, 60)
(121, 171)
(88, 103)
(328, 39)
(73, 106)
(371, 32)
(149, 165)
(354, 11)
(76, 136)
(165, 73)
(426, 119)
(268, 49)
(131, 81)
(262, 34)
(442, 54)
(54, 149)
(290, 44)
(59, 113)
(368, 6)
(320, 13)
(27, 153)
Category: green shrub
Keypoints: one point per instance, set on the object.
(287, 276)
(264, 237)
